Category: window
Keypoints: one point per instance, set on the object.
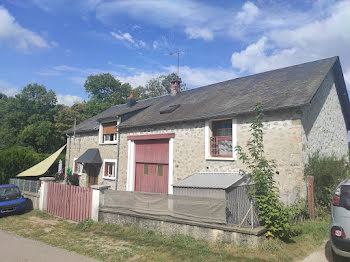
(108, 133)
(220, 139)
(145, 169)
(160, 170)
(78, 167)
(109, 169)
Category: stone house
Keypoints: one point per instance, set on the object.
(149, 145)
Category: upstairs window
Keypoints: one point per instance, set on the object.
(221, 138)
(109, 169)
(109, 133)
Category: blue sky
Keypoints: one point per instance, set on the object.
(59, 43)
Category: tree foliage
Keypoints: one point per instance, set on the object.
(104, 88)
(273, 214)
(157, 86)
(328, 172)
(15, 160)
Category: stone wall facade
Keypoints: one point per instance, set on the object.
(282, 138)
(289, 137)
(83, 142)
(324, 124)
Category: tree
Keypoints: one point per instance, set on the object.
(157, 86)
(14, 160)
(42, 137)
(65, 116)
(273, 214)
(104, 88)
(32, 106)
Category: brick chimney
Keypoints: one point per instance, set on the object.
(131, 100)
(175, 87)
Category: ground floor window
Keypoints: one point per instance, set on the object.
(109, 171)
(78, 167)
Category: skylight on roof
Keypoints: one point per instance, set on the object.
(169, 109)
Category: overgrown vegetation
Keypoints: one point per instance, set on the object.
(273, 214)
(112, 242)
(328, 172)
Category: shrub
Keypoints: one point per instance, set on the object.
(274, 215)
(328, 172)
(72, 179)
(14, 160)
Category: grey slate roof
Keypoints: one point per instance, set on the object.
(90, 156)
(288, 87)
(210, 180)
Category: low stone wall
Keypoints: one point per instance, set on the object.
(202, 231)
(32, 200)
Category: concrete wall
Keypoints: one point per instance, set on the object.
(202, 231)
(324, 125)
(32, 200)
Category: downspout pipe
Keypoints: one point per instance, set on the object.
(118, 150)
(68, 136)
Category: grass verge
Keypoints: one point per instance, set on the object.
(111, 242)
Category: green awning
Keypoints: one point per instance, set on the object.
(40, 168)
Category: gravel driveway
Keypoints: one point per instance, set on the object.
(323, 254)
(14, 248)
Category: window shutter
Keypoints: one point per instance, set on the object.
(75, 166)
(106, 168)
(109, 129)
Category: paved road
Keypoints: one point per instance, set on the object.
(323, 254)
(18, 249)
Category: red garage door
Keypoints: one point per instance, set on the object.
(152, 163)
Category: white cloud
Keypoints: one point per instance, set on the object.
(78, 80)
(196, 77)
(248, 14)
(129, 39)
(196, 32)
(8, 88)
(193, 77)
(138, 79)
(82, 6)
(16, 36)
(325, 37)
(68, 100)
(155, 44)
(191, 15)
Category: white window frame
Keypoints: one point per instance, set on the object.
(100, 136)
(208, 132)
(82, 167)
(104, 168)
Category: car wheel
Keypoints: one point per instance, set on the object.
(336, 258)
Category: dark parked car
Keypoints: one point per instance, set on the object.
(340, 223)
(11, 200)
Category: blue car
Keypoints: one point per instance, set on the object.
(11, 200)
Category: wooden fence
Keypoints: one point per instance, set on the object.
(69, 202)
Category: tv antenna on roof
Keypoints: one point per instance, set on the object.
(178, 53)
